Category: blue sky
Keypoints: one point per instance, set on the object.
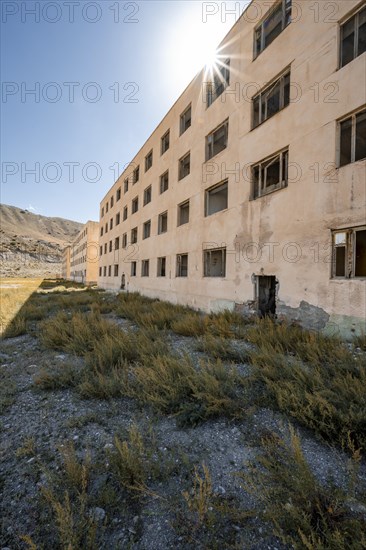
(101, 88)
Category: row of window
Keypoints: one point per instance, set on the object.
(214, 265)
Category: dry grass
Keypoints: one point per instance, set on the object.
(305, 514)
(222, 348)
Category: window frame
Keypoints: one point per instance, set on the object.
(165, 142)
(160, 218)
(264, 92)
(133, 269)
(178, 272)
(161, 262)
(146, 225)
(182, 125)
(148, 160)
(147, 190)
(134, 235)
(182, 175)
(353, 118)
(272, 10)
(180, 206)
(125, 185)
(220, 82)
(215, 188)
(118, 194)
(207, 253)
(356, 16)
(145, 264)
(350, 253)
(135, 205)
(163, 189)
(209, 140)
(267, 161)
(136, 175)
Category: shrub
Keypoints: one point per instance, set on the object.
(58, 378)
(222, 348)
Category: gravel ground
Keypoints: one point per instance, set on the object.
(55, 417)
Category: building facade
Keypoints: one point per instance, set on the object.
(250, 193)
(84, 255)
(66, 263)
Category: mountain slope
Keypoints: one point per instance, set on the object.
(30, 244)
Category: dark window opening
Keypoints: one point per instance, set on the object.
(217, 141)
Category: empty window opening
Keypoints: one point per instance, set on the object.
(124, 240)
(136, 175)
(135, 205)
(184, 166)
(125, 185)
(116, 270)
(147, 195)
(134, 235)
(118, 194)
(145, 266)
(216, 198)
(116, 243)
(163, 223)
(214, 261)
(272, 25)
(133, 269)
(185, 120)
(146, 230)
(217, 140)
(125, 210)
(161, 267)
(353, 37)
(220, 81)
(270, 174)
(353, 138)
(164, 182)
(148, 161)
(183, 213)
(182, 265)
(165, 142)
(118, 218)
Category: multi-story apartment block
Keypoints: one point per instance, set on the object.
(251, 191)
(66, 253)
(83, 255)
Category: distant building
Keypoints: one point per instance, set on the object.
(66, 262)
(83, 255)
(250, 193)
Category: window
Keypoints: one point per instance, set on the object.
(118, 194)
(161, 267)
(101, 231)
(125, 213)
(353, 37)
(124, 240)
(116, 270)
(216, 141)
(352, 138)
(100, 251)
(105, 248)
(272, 25)
(183, 213)
(133, 269)
(272, 99)
(184, 166)
(116, 243)
(221, 80)
(135, 205)
(216, 198)
(110, 246)
(145, 268)
(270, 174)
(214, 262)
(349, 253)
(105, 271)
(106, 206)
(182, 265)
(109, 271)
(148, 161)
(164, 182)
(125, 185)
(111, 223)
(147, 195)
(112, 202)
(100, 272)
(163, 223)
(165, 142)
(185, 119)
(136, 175)
(146, 230)
(134, 235)
(106, 228)
(118, 218)
(102, 212)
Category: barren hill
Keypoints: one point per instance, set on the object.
(30, 244)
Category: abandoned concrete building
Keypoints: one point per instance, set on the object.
(250, 193)
(80, 259)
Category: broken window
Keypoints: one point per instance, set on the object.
(353, 37)
(164, 182)
(124, 240)
(135, 205)
(214, 262)
(125, 185)
(118, 218)
(216, 198)
(217, 140)
(133, 269)
(352, 138)
(118, 194)
(272, 99)
(165, 142)
(146, 230)
(125, 213)
(136, 175)
(183, 213)
(161, 267)
(148, 161)
(184, 166)
(116, 243)
(182, 265)
(220, 81)
(270, 174)
(147, 195)
(272, 25)
(145, 268)
(349, 253)
(185, 120)
(134, 235)
(163, 223)
(116, 270)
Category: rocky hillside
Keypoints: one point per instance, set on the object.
(30, 244)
